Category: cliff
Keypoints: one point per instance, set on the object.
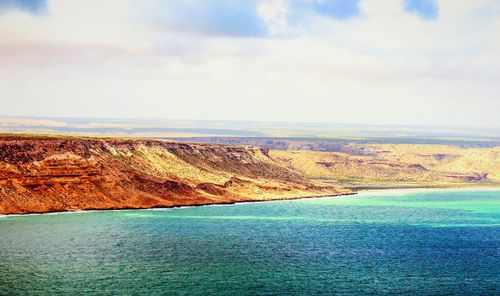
(399, 165)
(46, 174)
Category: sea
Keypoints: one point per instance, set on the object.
(405, 242)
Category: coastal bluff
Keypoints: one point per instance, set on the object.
(41, 174)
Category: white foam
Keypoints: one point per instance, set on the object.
(50, 213)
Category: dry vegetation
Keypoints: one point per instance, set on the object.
(399, 165)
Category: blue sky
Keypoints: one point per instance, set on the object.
(215, 17)
(31, 6)
(242, 19)
(337, 9)
(426, 9)
(427, 62)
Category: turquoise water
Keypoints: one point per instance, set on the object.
(435, 242)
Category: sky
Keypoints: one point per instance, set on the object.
(404, 62)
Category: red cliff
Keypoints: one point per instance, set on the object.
(45, 174)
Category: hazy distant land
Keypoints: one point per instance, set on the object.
(213, 128)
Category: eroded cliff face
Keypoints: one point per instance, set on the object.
(58, 174)
(393, 165)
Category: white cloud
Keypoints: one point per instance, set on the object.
(385, 66)
(274, 13)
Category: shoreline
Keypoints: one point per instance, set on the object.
(361, 192)
(394, 190)
(173, 206)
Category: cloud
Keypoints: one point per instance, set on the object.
(382, 64)
(31, 6)
(425, 9)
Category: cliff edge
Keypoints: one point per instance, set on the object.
(46, 174)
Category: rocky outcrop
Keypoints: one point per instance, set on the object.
(472, 177)
(44, 174)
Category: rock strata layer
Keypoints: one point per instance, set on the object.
(47, 174)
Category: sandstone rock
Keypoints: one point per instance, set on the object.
(44, 174)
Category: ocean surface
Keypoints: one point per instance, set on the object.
(401, 243)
